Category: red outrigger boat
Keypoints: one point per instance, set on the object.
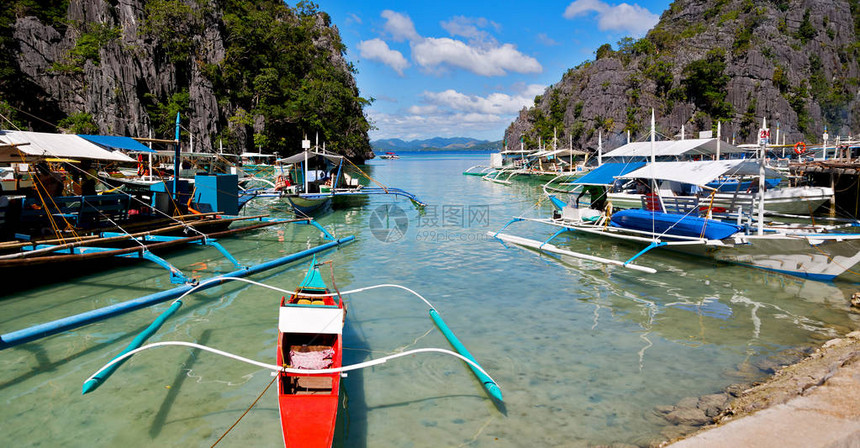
(309, 337)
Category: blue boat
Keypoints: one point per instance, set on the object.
(672, 224)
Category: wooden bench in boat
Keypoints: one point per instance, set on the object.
(312, 385)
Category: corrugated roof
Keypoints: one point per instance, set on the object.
(696, 146)
(699, 173)
(41, 144)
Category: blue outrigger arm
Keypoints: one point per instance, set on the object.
(489, 385)
(176, 275)
(506, 226)
(564, 229)
(69, 323)
(558, 203)
(93, 383)
(653, 245)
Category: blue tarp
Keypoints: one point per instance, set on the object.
(605, 174)
(116, 142)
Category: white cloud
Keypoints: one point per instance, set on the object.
(433, 52)
(399, 26)
(632, 19)
(469, 28)
(377, 50)
(493, 104)
(353, 18)
(452, 113)
(418, 126)
(546, 40)
(423, 110)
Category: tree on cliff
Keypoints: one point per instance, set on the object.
(247, 72)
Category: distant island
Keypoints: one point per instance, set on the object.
(435, 144)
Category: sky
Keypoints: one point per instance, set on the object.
(466, 68)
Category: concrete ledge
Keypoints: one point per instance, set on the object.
(823, 416)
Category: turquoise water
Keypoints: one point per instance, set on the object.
(583, 352)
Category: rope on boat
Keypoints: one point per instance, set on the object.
(244, 413)
(280, 369)
(302, 294)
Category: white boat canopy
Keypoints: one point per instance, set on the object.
(699, 173)
(300, 157)
(690, 147)
(63, 146)
(559, 153)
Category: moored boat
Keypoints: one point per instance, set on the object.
(309, 337)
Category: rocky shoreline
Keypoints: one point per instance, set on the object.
(798, 379)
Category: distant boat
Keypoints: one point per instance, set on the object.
(389, 155)
(314, 180)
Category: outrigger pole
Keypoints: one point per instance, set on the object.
(176, 164)
(69, 323)
(489, 385)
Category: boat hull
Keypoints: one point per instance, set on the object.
(815, 256)
(309, 205)
(309, 421)
(826, 260)
(308, 403)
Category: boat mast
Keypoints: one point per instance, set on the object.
(719, 129)
(149, 158)
(653, 161)
(600, 147)
(176, 160)
(763, 143)
(306, 146)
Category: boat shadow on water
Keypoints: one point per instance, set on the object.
(175, 387)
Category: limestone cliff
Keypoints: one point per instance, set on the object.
(792, 61)
(245, 73)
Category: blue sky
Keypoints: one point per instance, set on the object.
(465, 68)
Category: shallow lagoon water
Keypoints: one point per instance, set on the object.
(583, 352)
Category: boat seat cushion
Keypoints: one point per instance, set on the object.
(302, 357)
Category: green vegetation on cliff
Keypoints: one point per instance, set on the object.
(276, 72)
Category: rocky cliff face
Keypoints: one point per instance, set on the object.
(132, 64)
(794, 62)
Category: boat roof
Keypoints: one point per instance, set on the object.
(43, 144)
(605, 174)
(257, 154)
(300, 157)
(559, 153)
(116, 142)
(699, 173)
(695, 146)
